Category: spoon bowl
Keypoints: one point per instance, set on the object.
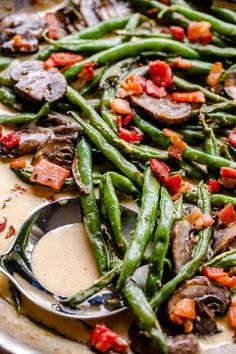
(16, 263)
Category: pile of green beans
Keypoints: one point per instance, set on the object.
(108, 166)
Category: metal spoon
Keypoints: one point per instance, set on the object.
(16, 263)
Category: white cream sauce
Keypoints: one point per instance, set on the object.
(63, 261)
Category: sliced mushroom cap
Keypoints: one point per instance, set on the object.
(211, 297)
(28, 26)
(223, 237)
(69, 131)
(183, 344)
(162, 110)
(183, 242)
(33, 82)
(142, 343)
(59, 151)
(230, 84)
(51, 120)
(30, 139)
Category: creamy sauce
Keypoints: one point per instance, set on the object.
(63, 260)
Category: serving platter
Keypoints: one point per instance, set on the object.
(20, 342)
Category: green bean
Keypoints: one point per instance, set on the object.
(132, 49)
(144, 34)
(224, 260)
(188, 86)
(140, 152)
(106, 112)
(214, 162)
(231, 68)
(24, 118)
(84, 46)
(115, 71)
(144, 227)
(89, 205)
(218, 107)
(219, 26)
(152, 131)
(99, 284)
(217, 200)
(171, 17)
(113, 212)
(8, 97)
(197, 66)
(5, 62)
(24, 174)
(178, 209)
(142, 309)
(160, 243)
(111, 153)
(188, 270)
(5, 81)
(225, 14)
(210, 143)
(123, 184)
(103, 28)
(191, 169)
(213, 50)
(222, 118)
(131, 25)
(99, 30)
(93, 84)
(191, 136)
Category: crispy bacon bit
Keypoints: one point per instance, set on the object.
(232, 314)
(128, 118)
(177, 32)
(130, 136)
(161, 73)
(3, 224)
(103, 338)
(185, 188)
(18, 163)
(120, 106)
(54, 30)
(227, 215)
(191, 97)
(213, 186)
(152, 11)
(184, 313)
(181, 63)
(160, 169)
(132, 86)
(49, 174)
(20, 43)
(199, 32)
(87, 73)
(11, 232)
(153, 90)
(220, 275)
(62, 59)
(232, 137)
(215, 74)
(119, 121)
(228, 177)
(173, 183)
(171, 133)
(199, 220)
(177, 147)
(10, 140)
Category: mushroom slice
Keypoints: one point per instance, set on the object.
(183, 242)
(223, 238)
(211, 298)
(34, 83)
(162, 110)
(230, 84)
(51, 120)
(30, 139)
(59, 151)
(69, 131)
(141, 343)
(27, 27)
